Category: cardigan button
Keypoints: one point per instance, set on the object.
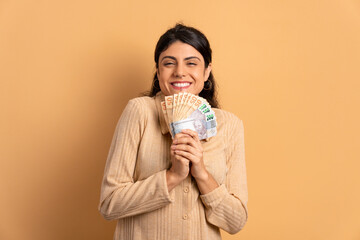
(186, 189)
(185, 216)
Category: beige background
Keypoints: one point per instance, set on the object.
(289, 69)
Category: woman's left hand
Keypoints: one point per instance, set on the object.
(188, 145)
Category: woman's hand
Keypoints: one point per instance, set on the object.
(180, 167)
(187, 146)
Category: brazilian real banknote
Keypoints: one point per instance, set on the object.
(189, 111)
(204, 123)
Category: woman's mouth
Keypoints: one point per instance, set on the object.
(180, 85)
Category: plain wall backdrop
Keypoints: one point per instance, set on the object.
(288, 69)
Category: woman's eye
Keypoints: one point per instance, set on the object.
(168, 63)
(192, 64)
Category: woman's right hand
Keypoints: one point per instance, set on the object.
(180, 166)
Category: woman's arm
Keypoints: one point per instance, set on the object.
(226, 206)
(187, 146)
(121, 196)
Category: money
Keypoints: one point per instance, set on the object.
(203, 128)
(188, 111)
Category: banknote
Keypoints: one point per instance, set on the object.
(201, 126)
(189, 111)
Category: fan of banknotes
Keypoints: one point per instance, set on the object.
(188, 111)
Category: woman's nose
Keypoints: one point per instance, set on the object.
(180, 71)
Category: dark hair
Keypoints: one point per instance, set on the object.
(196, 39)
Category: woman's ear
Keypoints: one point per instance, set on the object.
(157, 73)
(207, 72)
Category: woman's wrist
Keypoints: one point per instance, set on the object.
(206, 183)
(203, 177)
(172, 179)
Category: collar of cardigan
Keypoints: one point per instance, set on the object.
(158, 99)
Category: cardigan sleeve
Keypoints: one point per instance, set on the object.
(226, 206)
(121, 196)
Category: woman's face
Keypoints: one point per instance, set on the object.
(181, 68)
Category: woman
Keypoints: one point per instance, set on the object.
(182, 188)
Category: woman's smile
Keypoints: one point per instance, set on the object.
(180, 85)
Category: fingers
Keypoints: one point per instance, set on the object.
(185, 138)
(187, 141)
(178, 158)
(186, 144)
(195, 158)
(186, 148)
(188, 132)
(182, 159)
(181, 135)
(192, 133)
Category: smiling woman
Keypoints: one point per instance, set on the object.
(182, 68)
(187, 53)
(157, 187)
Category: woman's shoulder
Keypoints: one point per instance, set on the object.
(143, 106)
(142, 100)
(223, 115)
(142, 103)
(228, 124)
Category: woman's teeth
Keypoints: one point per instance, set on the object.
(180, 84)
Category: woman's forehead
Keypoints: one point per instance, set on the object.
(181, 50)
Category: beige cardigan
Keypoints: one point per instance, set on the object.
(134, 189)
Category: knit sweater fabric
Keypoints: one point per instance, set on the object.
(134, 189)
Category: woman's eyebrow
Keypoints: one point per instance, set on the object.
(187, 58)
(171, 57)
